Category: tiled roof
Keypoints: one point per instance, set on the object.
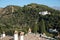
(29, 36)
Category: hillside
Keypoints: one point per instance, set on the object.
(28, 16)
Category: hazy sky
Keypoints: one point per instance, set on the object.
(51, 3)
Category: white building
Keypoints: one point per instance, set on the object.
(44, 13)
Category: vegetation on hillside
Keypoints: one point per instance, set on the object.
(28, 16)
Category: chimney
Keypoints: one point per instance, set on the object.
(29, 31)
(16, 35)
(3, 35)
(22, 36)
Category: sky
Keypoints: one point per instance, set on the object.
(51, 3)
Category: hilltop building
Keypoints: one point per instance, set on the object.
(44, 13)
